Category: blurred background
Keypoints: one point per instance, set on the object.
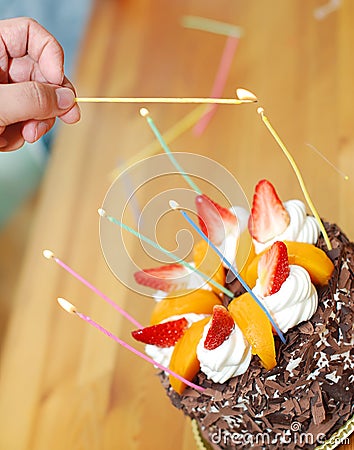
(62, 385)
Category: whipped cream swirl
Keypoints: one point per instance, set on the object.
(231, 358)
(302, 228)
(295, 302)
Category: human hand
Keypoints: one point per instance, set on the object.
(33, 87)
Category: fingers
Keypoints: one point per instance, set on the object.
(14, 136)
(11, 138)
(33, 130)
(73, 115)
(33, 100)
(22, 36)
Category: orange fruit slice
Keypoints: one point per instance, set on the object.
(198, 301)
(245, 253)
(208, 262)
(184, 359)
(256, 327)
(310, 257)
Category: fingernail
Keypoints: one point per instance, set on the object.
(65, 98)
(3, 142)
(42, 128)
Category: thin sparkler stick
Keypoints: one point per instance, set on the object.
(297, 173)
(219, 82)
(175, 206)
(182, 100)
(50, 255)
(115, 221)
(71, 309)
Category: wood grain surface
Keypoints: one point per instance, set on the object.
(63, 385)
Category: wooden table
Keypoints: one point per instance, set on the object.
(63, 384)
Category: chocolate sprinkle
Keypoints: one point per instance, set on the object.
(308, 396)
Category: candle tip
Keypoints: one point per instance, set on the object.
(144, 112)
(67, 306)
(101, 212)
(260, 110)
(245, 94)
(48, 254)
(173, 204)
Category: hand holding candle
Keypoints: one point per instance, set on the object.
(33, 87)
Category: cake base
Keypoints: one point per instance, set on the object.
(308, 395)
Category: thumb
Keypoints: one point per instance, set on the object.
(33, 100)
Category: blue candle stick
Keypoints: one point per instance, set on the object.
(175, 205)
(154, 244)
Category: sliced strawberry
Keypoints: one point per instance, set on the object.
(164, 334)
(220, 329)
(268, 218)
(273, 268)
(172, 277)
(215, 220)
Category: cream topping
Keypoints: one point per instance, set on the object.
(302, 228)
(231, 358)
(295, 302)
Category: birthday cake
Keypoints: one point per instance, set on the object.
(275, 363)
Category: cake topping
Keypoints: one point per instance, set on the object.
(313, 259)
(255, 326)
(163, 335)
(215, 221)
(168, 278)
(269, 218)
(184, 359)
(273, 269)
(229, 359)
(294, 301)
(220, 225)
(182, 302)
(208, 262)
(220, 328)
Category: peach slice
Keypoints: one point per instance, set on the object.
(198, 301)
(246, 247)
(256, 327)
(310, 257)
(208, 262)
(184, 359)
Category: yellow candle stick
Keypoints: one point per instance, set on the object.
(243, 96)
(182, 100)
(297, 173)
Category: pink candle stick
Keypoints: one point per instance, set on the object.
(70, 308)
(219, 83)
(50, 255)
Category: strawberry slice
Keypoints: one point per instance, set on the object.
(220, 329)
(164, 334)
(273, 268)
(215, 221)
(172, 277)
(268, 218)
